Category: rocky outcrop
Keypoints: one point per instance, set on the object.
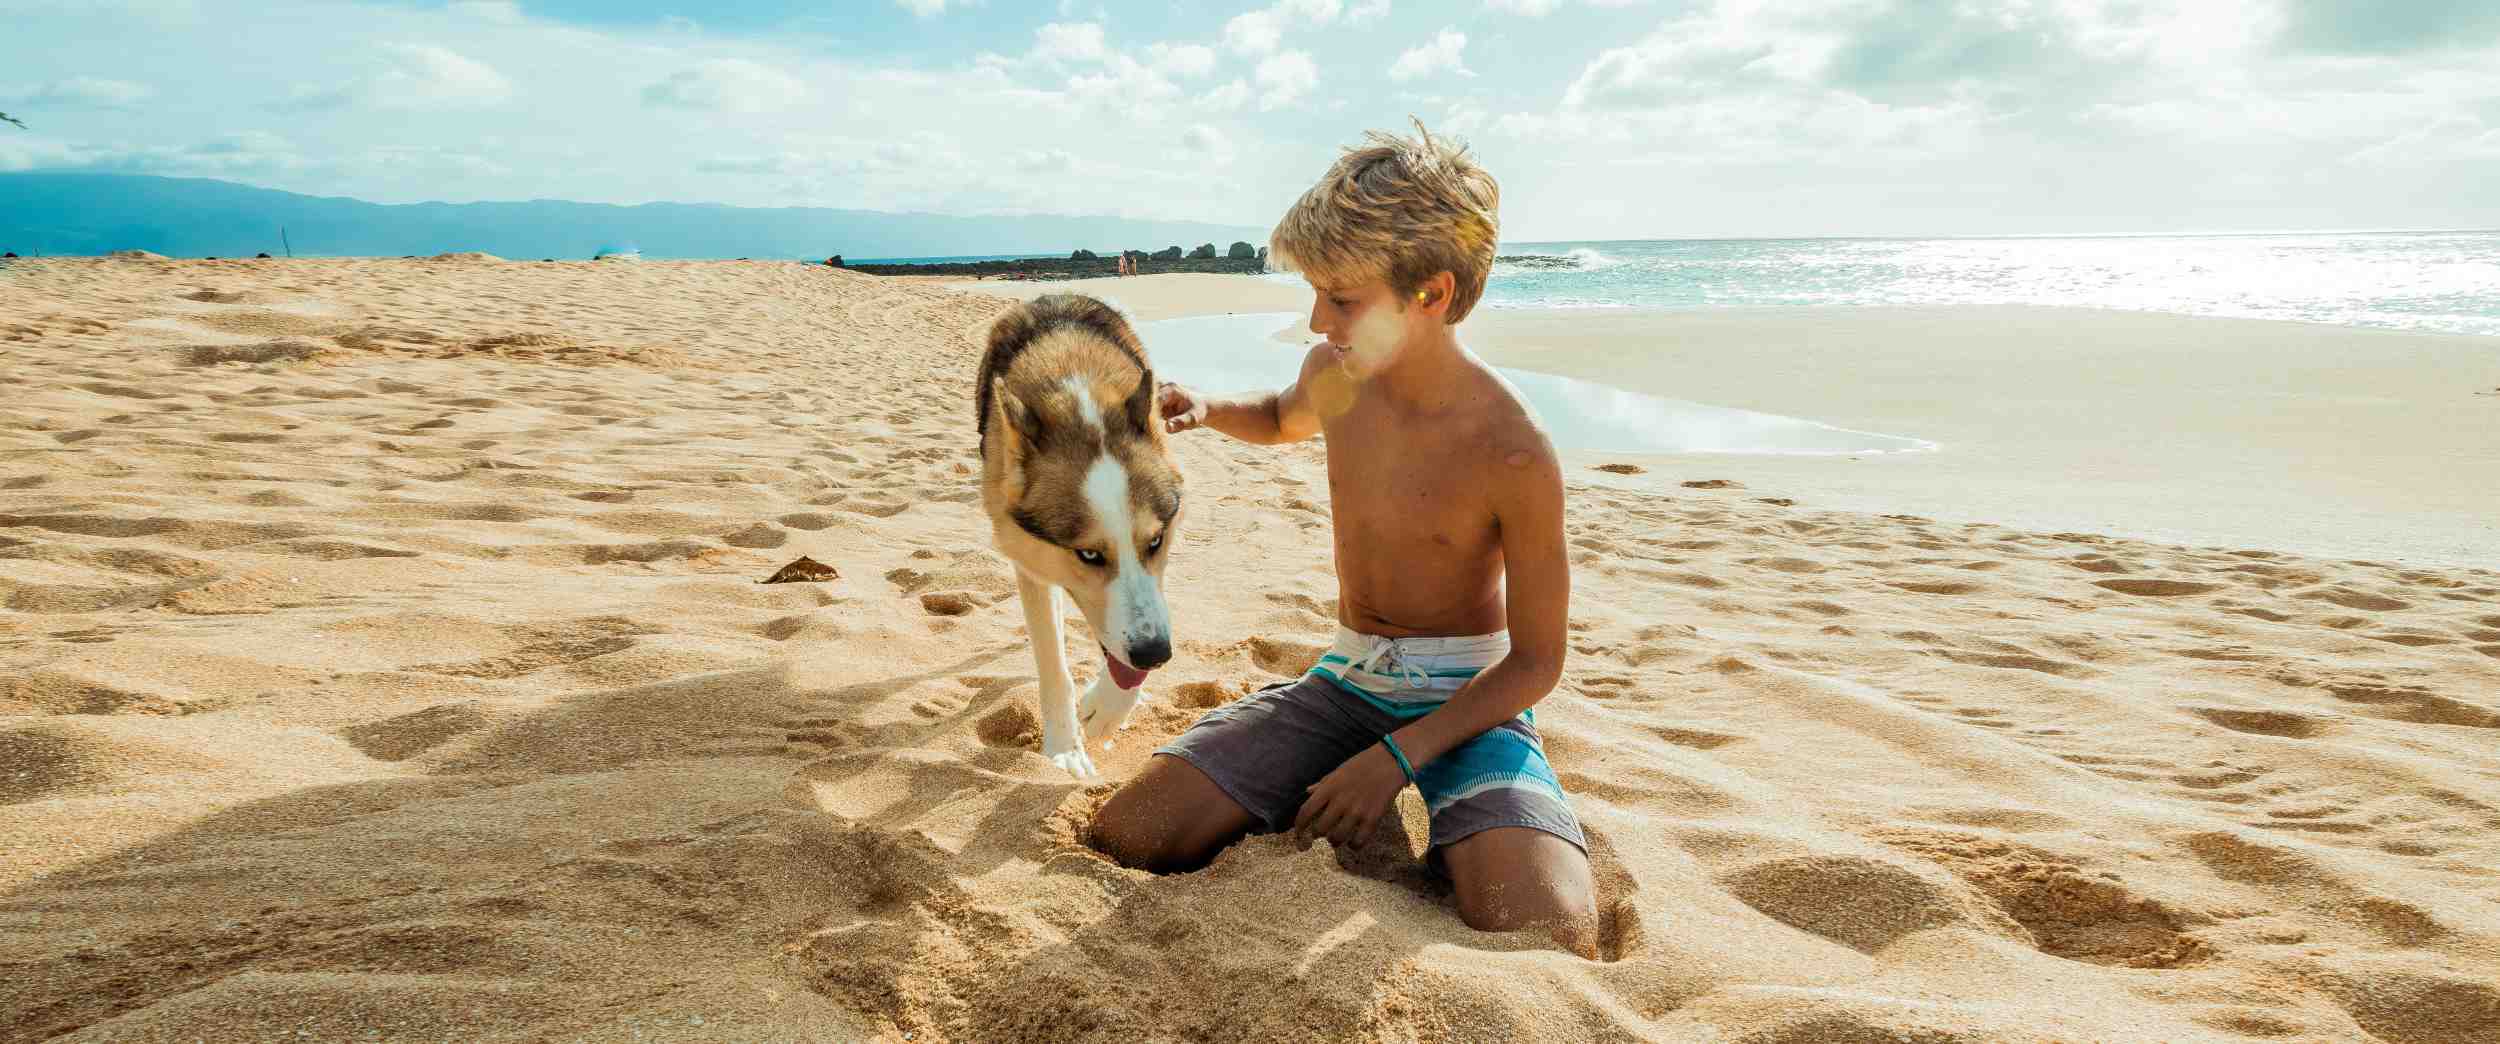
(1204, 251)
(1170, 253)
(1241, 250)
(1071, 267)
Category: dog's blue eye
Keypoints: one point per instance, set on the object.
(1089, 557)
(1155, 544)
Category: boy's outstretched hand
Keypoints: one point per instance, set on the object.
(1345, 804)
(1182, 408)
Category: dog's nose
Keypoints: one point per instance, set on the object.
(1149, 654)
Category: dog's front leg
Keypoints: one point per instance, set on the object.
(1106, 707)
(1062, 741)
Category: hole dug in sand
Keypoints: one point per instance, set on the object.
(2067, 911)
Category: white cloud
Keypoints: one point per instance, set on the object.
(924, 8)
(1228, 98)
(247, 154)
(1262, 31)
(1284, 78)
(415, 76)
(86, 92)
(1188, 61)
(774, 164)
(1069, 42)
(1126, 86)
(1442, 54)
(1365, 12)
(1045, 161)
(727, 85)
(1206, 143)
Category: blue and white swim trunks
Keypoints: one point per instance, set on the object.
(1266, 749)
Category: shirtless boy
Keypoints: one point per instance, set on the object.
(1453, 581)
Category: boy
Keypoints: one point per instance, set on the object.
(1453, 585)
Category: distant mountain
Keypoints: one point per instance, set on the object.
(54, 214)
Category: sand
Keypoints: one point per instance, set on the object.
(384, 658)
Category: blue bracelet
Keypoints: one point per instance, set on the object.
(1404, 765)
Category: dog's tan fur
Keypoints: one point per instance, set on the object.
(1065, 392)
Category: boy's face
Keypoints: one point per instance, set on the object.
(1368, 324)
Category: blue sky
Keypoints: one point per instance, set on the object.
(1602, 118)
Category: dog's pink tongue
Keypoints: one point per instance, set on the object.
(1122, 675)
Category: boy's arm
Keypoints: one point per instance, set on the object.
(1266, 418)
(1536, 569)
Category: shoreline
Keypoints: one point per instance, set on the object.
(2320, 439)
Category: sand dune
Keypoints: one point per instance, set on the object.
(412, 681)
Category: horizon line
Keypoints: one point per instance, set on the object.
(1238, 226)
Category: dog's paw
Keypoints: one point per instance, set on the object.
(1065, 750)
(1105, 708)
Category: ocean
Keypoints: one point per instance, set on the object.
(2441, 281)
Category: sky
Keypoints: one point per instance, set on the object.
(1602, 119)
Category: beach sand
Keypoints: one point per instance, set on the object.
(383, 658)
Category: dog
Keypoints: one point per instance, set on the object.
(1084, 497)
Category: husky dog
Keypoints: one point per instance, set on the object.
(1083, 497)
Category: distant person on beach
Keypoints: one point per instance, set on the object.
(1453, 581)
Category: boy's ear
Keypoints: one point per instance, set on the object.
(1433, 294)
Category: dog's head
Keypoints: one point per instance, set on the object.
(1088, 496)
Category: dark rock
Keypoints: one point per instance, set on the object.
(803, 570)
(1171, 253)
(10, 254)
(1241, 250)
(1083, 255)
(1045, 268)
(260, 255)
(1204, 251)
(834, 262)
(1262, 255)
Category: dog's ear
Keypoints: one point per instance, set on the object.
(1022, 427)
(1141, 404)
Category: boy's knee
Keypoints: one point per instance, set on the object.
(1117, 831)
(1133, 836)
(1569, 915)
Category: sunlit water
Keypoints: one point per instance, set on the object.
(2438, 281)
(1239, 353)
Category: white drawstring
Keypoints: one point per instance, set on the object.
(1384, 654)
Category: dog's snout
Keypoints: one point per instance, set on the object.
(1151, 653)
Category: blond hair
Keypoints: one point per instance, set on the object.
(1397, 209)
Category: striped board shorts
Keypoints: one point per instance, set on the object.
(1266, 749)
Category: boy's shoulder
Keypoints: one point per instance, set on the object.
(1504, 412)
(1512, 434)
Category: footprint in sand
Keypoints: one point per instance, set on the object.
(2285, 724)
(2157, 588)
(1282, 657)
(2066, 910)
(2352, 599)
